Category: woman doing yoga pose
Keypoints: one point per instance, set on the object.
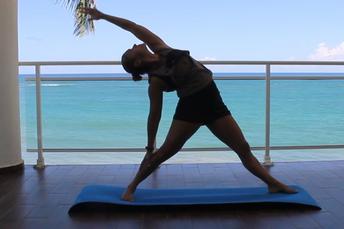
(199, 103)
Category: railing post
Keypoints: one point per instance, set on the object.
(267, 158)
(40, 161)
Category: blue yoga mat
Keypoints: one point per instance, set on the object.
(103, 194)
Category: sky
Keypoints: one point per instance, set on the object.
(211, 30)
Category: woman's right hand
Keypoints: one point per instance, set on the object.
(93, 12)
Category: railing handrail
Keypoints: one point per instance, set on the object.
(268, 77)
(207, 62)
(87, 78)
(186, 149)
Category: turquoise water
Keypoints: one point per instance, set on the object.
(110, 114)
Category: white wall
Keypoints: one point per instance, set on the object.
(10, 150)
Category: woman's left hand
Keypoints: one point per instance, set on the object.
(93, 12)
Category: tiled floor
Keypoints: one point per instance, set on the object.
(41, 198)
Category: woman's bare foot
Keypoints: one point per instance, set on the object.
(281, 188)
(127, 196)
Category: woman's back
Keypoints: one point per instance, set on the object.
(181, 72)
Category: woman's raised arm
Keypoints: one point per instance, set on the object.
(153, 41)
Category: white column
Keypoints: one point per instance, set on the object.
(10, 147)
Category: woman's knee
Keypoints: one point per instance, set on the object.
(243, 148)
(170, 148)
(165, 152)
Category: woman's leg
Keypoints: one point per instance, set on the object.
(178, 134)
(228, 131)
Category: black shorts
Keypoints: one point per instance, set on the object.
(203, 107)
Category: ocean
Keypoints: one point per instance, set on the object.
(113, 114)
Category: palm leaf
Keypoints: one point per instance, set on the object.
(83, 24)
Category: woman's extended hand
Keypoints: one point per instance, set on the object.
(93, 12)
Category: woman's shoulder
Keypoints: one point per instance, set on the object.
(164, 50)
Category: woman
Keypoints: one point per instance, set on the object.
(199, 103)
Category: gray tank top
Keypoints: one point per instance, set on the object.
(181, 72)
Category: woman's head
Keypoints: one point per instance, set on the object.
(133, 61)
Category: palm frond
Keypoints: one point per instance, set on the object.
(83, 24)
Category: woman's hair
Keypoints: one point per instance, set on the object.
(128, 63)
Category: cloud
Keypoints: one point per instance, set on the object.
(324, 52)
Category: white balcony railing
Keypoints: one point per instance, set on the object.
(267, 147)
